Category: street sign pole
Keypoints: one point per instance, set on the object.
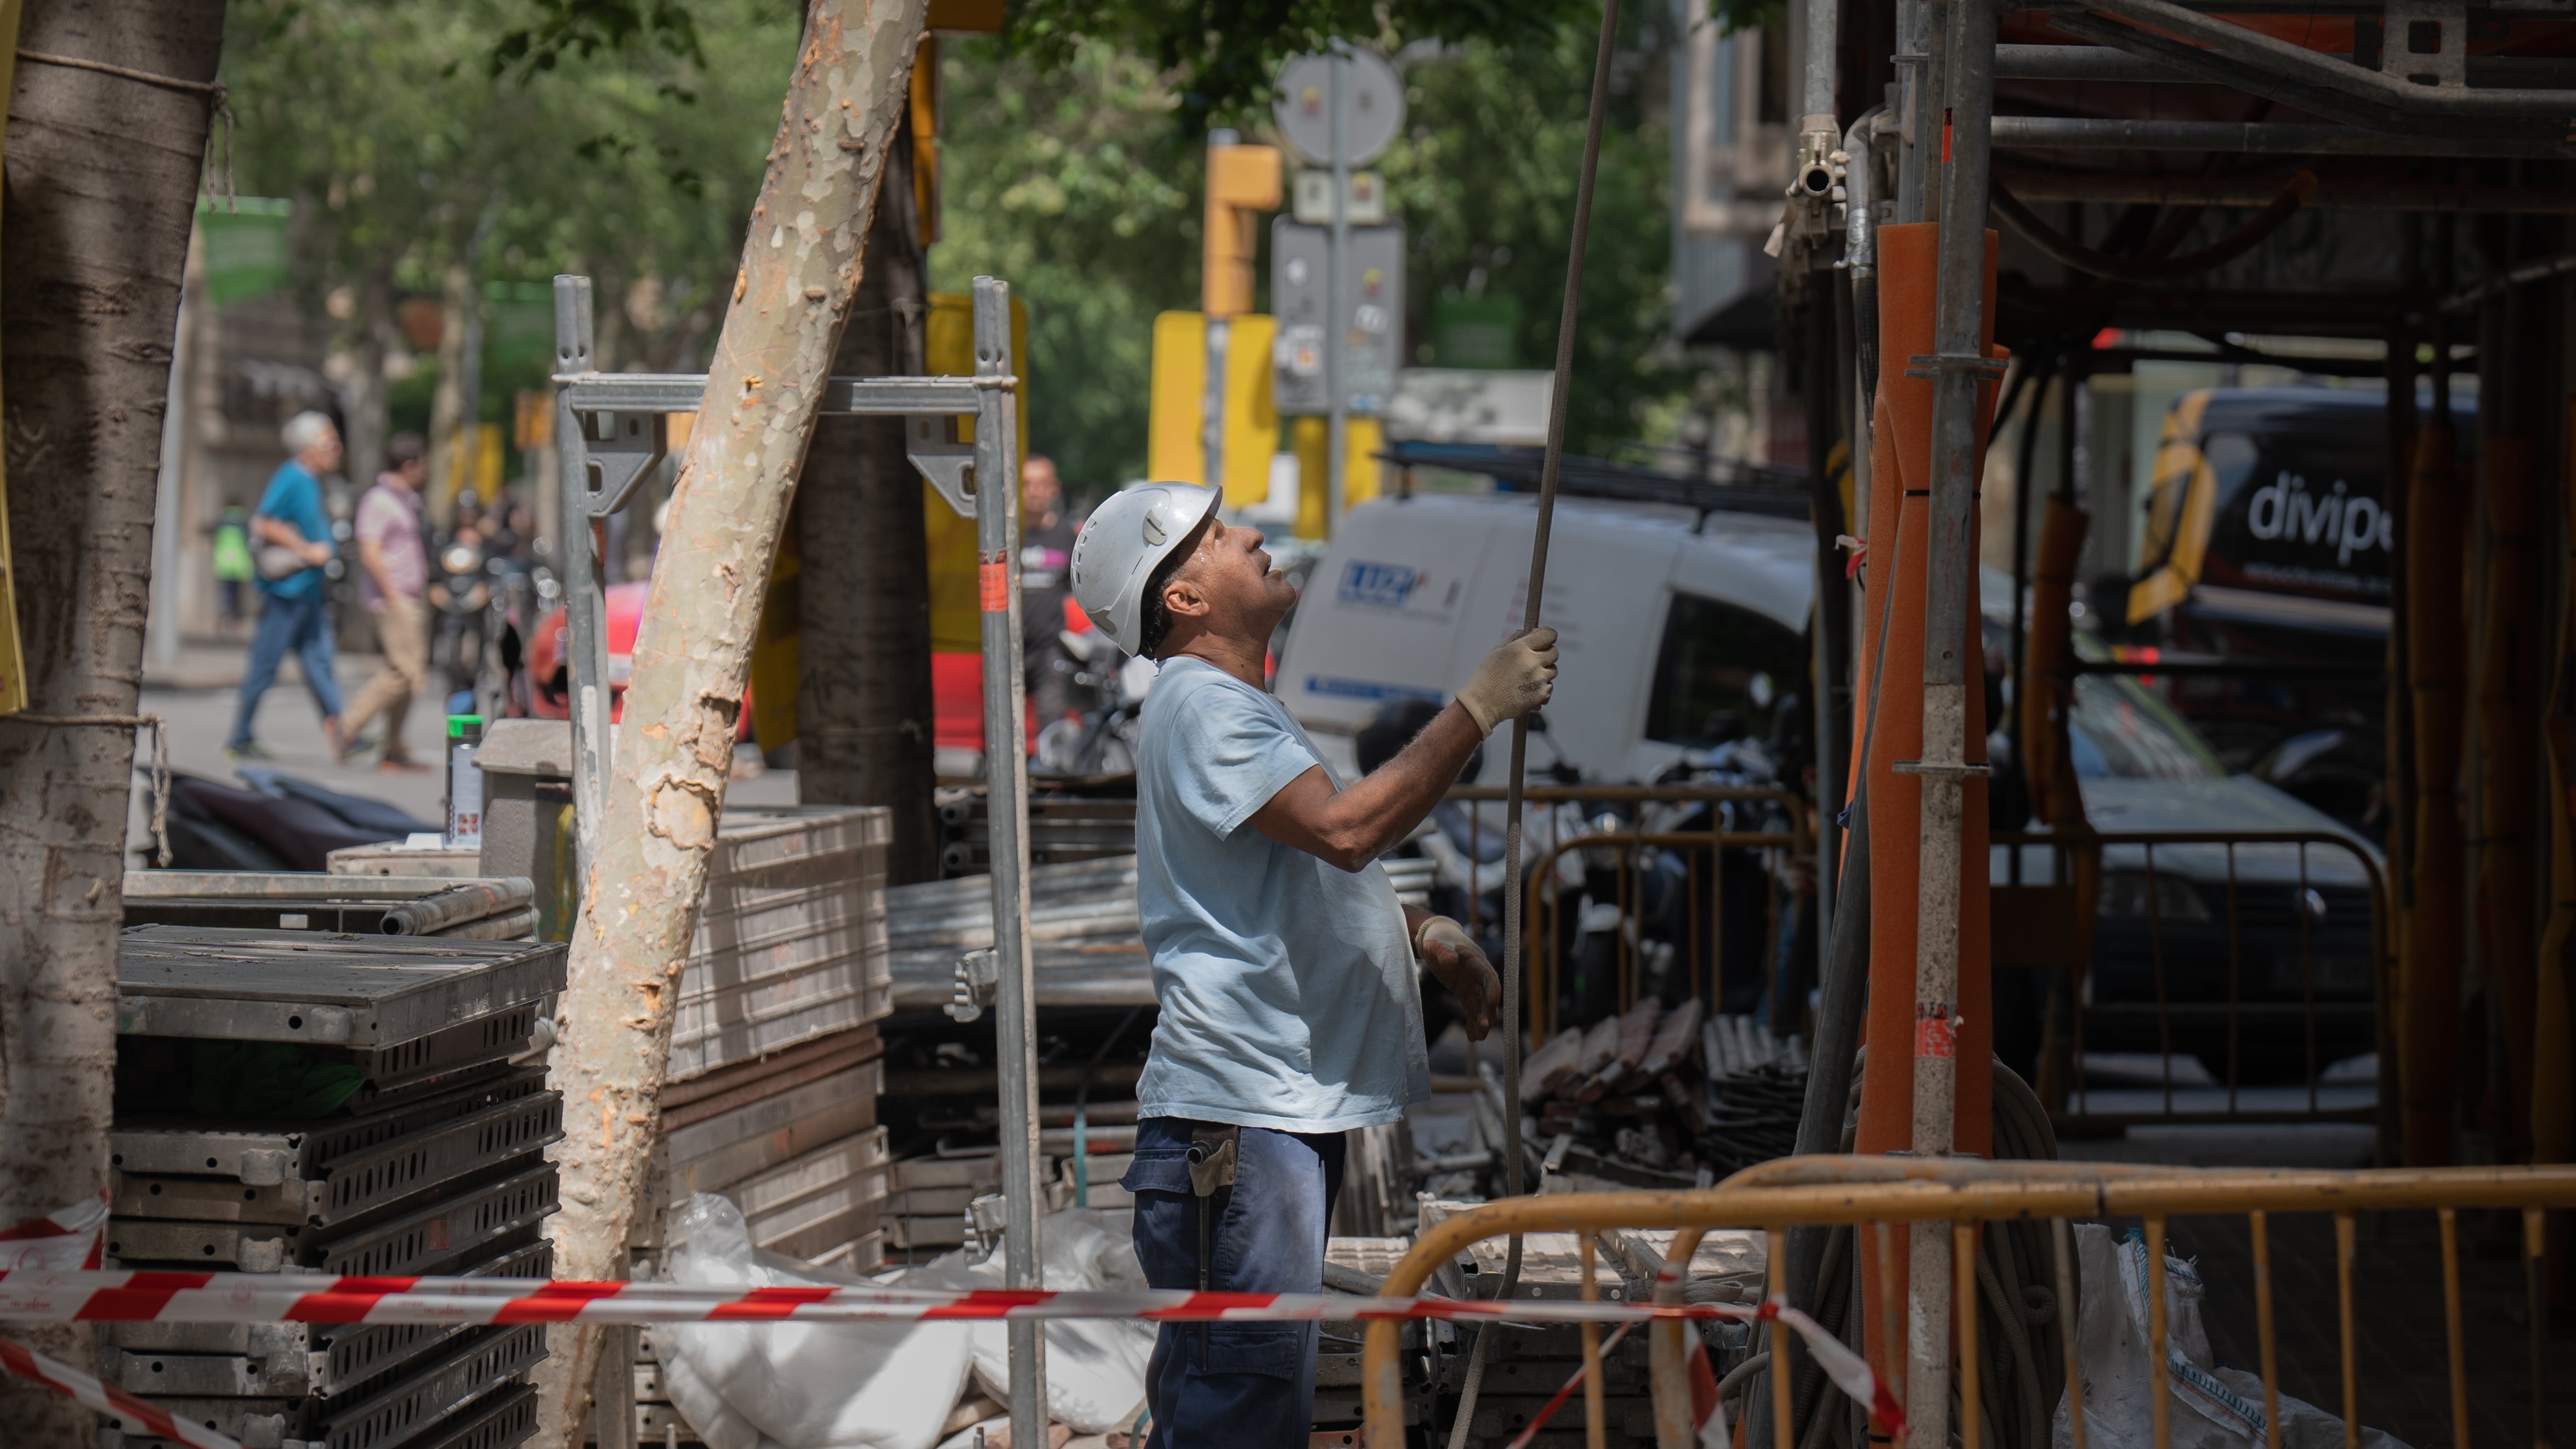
(1336, 307)
(1212, 389)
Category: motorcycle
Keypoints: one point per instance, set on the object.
(459, 591)
(1108, 696)
(520, 590)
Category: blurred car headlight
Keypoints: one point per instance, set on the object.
(2134, 895)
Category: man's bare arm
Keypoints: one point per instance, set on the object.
(371, 555)
(1349, 828)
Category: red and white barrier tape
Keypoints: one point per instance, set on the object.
(71, 1240)
(132, 1297)
(139, 1417)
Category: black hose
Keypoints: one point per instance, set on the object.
(2059, 247)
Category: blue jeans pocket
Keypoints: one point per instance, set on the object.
(1275, 1350)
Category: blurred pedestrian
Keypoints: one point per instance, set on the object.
(291, 538)
(1046, 554)
(393, 572)
(233, 571)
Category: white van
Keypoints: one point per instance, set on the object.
(1666, 617)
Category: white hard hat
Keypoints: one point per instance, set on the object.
(1123, 542)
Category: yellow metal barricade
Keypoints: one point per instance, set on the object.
(1700, 849)
(1968, 1193)
(2296, 969)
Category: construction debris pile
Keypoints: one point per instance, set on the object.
(1654, 1097)
(353, 1104)
(1086, 946)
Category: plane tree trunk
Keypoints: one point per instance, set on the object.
(101, 185)
(801, 266)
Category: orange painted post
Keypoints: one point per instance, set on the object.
(1898, 549)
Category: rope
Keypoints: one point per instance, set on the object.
(1514, 1166)
(160, 761)
(214, 92)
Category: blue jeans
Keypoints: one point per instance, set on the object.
(1234, 1384)
(299, 623)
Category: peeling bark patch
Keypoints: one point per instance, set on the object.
(684, 813)
(720, 718)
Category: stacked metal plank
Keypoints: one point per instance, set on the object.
(479, 908)
(342, 1105)
(771, 1095)
(1084, 936)
(791, 941)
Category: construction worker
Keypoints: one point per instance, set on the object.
(1284, 966)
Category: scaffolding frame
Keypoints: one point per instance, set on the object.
(612, 428)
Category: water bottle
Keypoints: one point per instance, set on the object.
(464, 783)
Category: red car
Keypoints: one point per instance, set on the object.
(956, 680)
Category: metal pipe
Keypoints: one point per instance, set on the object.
(1917, 82)
(1960, 366)
(1515, 889)
(2061, 133)
(584, 588)
(2109, 63)
(1818, 129)
(2280, 58)
(1337, 317)
(2125, 190)
(1006, 784)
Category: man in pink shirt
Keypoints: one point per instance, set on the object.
(393, 573)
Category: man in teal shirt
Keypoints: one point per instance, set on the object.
(291, 541)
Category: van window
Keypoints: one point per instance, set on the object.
(1719, 660)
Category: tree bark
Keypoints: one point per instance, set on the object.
(449, 408)
(864, 708)
(101, 186)
(801, 266)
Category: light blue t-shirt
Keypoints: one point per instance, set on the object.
(1287, 985)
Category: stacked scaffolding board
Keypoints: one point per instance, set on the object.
(770, 1099)
(476, 908)
(791, 942)
(336, 1103)
(1087, 944)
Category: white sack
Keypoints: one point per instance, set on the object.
(890, 1385)
(2212, 1407)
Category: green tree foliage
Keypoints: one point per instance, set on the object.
(1222, 54)
(410, 143)
(1071, 182)
(1484, 178)
(1072, 168)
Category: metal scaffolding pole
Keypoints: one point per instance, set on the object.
(1958, 366)
(1006, 786)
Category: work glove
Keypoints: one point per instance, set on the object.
(1454, 960)
(1513, 680)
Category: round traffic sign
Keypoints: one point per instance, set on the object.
(1372, 100)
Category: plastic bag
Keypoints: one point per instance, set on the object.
(1095, 1367)
(799, 1385)
(890, 1385)
(2212, 1408)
